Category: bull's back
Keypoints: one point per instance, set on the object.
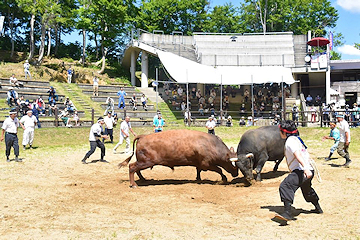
(177, 148)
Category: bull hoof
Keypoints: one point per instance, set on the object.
(133, 186)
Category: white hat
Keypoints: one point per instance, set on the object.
(29, 111)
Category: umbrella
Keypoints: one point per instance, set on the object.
(318, 41)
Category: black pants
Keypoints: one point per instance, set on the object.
(109, 132)
(93, 145)
(211, 131)
(296, 179)
(11, 140)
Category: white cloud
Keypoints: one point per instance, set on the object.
(350, 5)
(349, 50)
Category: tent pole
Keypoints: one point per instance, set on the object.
(252, 99)
(157, 87)
(282, 98)
(187, 90)
(221, 97)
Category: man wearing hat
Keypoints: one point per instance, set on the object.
(344, 143)
(28, 123)
(109, 125)
(9, 128)
(210, 125)
(95, 136)
(12, 96)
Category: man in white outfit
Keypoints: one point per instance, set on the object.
(125, 127)
(27, 69)
(28, 123)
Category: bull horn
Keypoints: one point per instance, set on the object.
(234, 159)
(249, 155)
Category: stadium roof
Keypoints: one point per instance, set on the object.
(183, 70)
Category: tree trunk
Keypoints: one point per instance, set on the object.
(104, 52)
(84, 46)
(32, 40)
(96, 46)
(11, 26)
(49, 43)
(56, 40)
(42, 44)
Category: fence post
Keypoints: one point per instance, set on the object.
(56, 117)
(92, 116)
(321, 116)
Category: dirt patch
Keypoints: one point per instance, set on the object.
(54, 196)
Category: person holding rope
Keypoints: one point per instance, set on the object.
(302, 172)
(334, 135)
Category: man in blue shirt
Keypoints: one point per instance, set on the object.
(158, 123)
(121, 95)
(334, 135)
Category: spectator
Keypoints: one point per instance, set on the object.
(187, 117)
(121, 95)
(133, 102)
(28, 123)
(180, 91)
(201, 110)
(295, 114)
(52, 93)
(198, 94)
(27, 69)
(229, 122)
(52, 106)
(12, 97)
(109, 125)
(76, 118)
(246, 95)
(355, 114)
(125, 127)
(309, 100)
(14, 82)
(174, 95)
(313, 114)
(143, 100)
(250, 122)
(193, 93)
(347, 113)
(210, 125)
(183, 107)
(69, 105)
(154, 84)
(109, 106)
(158, 123)
(242, 121)
(212, 109)
(326, 114)
(318, 100)
(65, 117)
(36, 110)
(343, 148)
(334, 135)
(70, 73)
(95, 86)
(23, 105)
(226, 102)
(242, 110)
(42, 108)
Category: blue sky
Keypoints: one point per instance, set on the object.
(347, 24)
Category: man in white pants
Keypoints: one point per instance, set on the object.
(125, 127)
(27, 69)
(28, 123)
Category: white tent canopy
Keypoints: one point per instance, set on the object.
(186, 71)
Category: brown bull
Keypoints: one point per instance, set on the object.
(181, 148)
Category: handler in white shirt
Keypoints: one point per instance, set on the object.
(9, 128)
(125, 127)
(343, 148)
(28, 123)
(109, 125)
(210, 125)
(95, 140)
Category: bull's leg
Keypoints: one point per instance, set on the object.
(262, 159)
(277, 165)
(198, 170)
(219, 171)
(136, 167)
(141, 177)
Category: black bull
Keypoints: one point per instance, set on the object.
(257, 146)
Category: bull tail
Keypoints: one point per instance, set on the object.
(125, 163)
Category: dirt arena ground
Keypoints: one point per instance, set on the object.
(54, 196)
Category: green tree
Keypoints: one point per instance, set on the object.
(298, 16)
(186, 16)
(223, 19)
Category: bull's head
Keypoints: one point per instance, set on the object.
(232, 169)
(244, 163)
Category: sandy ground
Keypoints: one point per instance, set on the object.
(52, 196)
